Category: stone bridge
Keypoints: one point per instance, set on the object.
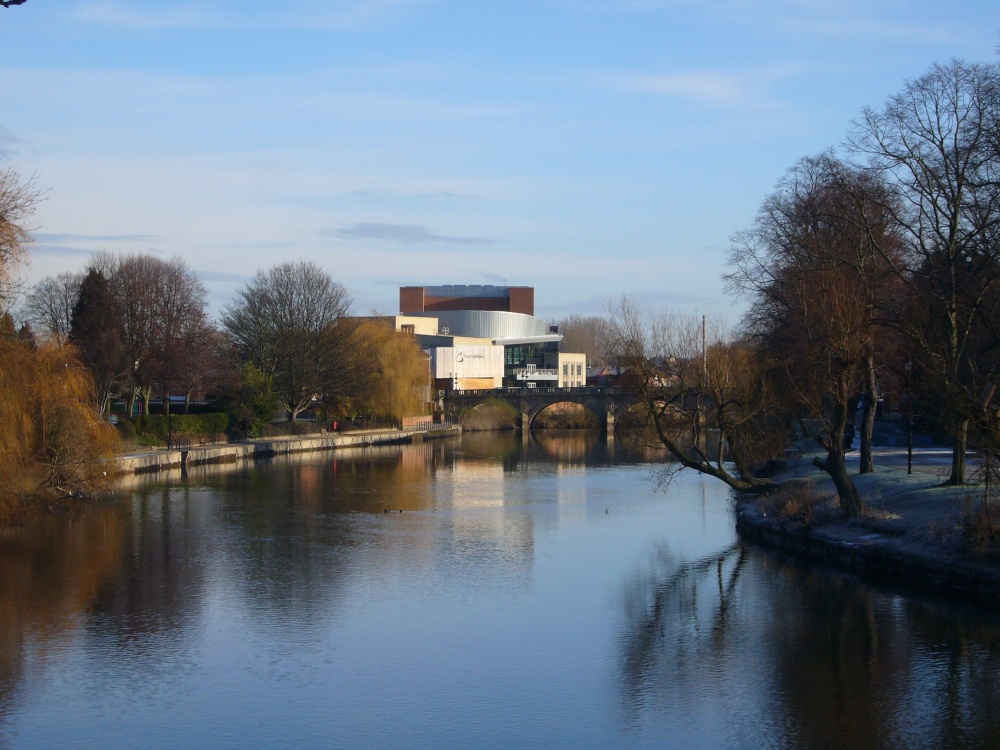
(607, 403)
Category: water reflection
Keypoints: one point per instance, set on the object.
(508, 586)
(818, 659)
(49, 578)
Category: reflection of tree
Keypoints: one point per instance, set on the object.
(291, 541)
(667, 609)
(821, 660)
(571, 448)
(158, 593)
(51, 573)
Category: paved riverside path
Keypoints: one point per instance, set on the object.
(149, 461)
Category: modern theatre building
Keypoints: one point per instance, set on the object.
(486, 337)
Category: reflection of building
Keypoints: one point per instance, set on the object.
(474, 319)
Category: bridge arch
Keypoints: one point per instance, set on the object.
(539, 409)
(607, 403)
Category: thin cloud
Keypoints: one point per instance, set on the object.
(45, 237)
(236, 278)
(850, 19)
(175, 17)
(447, 195)
(57, 250)
(713, 88)
(345, 16)
(649, 300)
(9, 143)
(407, 234)
(742, 90)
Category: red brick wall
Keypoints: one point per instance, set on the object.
(522, 299)
(411, 299)
(465, 303)
(414, 299)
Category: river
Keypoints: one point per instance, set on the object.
(474, 592)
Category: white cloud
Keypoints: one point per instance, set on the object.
(843, 19)
(336, 15)
(408, 234)
(707, 87)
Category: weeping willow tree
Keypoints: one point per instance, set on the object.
(392, 374)
(52, 442)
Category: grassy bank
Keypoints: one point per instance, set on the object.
(913, 532)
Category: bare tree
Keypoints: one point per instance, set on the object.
(181, 332)
(704, 398)
(935, 143)
(587, 334)
(49, 305)
(284, 322)
(811, 271)
(18, 198)
(159, 310)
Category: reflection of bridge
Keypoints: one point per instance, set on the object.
(607, 403)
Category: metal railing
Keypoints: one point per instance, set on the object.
(588, 390)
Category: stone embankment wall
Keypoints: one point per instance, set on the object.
(875, 557)
(140, 463)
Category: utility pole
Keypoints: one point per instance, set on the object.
(704, 353)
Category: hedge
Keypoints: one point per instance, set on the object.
(183, 424)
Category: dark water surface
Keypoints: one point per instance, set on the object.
(530, 595)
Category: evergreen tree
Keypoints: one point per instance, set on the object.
(96, 333)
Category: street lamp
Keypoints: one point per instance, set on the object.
(909, 416)
(170, 441)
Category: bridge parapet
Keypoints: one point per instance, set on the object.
(607, 403)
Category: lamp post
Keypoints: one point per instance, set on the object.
(170, 441)
(909, 416)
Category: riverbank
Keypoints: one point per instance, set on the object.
(913, 534)
(221, 453)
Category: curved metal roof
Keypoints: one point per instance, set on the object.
(490, 324)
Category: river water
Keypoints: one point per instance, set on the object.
(538, 594)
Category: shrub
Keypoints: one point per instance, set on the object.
(800, 501)
(183, 424)
(126, 430)
(981, 528)
(567, 417)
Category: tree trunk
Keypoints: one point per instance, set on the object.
(834, 465)
(958, 454)
(868, 419)
(850, 499)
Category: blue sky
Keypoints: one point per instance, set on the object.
(588, 148)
